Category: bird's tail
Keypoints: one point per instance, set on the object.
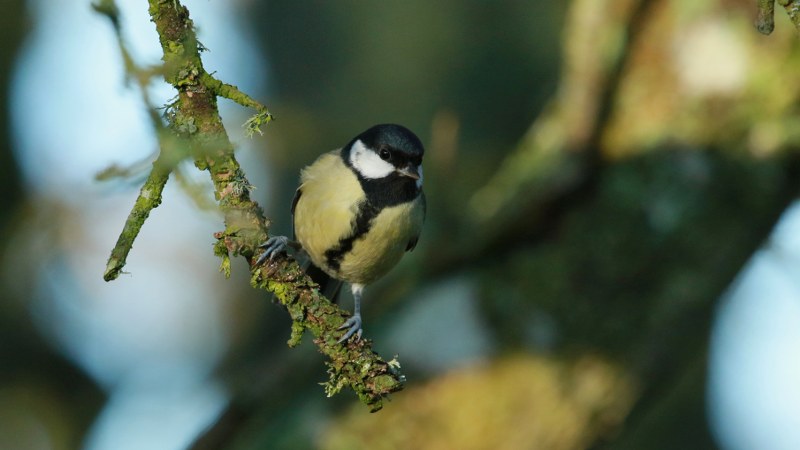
(328, 286)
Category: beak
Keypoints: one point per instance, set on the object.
(410, 172)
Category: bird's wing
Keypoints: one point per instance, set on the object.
(424, 207)
(297, 195)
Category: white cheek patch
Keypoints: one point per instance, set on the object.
(368, 163)
(419, 182)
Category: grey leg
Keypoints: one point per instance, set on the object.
(353, 324)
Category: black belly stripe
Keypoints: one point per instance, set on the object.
(363, 223)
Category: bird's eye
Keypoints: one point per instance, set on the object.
(384, 154)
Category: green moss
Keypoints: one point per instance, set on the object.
(297, 334)
(174, 47)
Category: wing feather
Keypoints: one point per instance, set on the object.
(412, 243)
(296, 198)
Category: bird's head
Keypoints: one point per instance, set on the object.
(386, 151)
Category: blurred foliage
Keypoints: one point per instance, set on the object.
(599, 170)
(45, 401)
(516, 402)
(628, 256)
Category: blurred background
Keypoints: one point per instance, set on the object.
(610, 257)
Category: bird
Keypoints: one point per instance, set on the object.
(357, 211)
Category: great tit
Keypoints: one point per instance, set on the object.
(358, 210)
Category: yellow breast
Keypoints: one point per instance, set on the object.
(383, 246)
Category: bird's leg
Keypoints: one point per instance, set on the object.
(275, 245)
(353, 324)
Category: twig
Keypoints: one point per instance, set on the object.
(231, 92)
(149, 198)
(765, 22)
(150, 194)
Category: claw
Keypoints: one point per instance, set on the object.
(273, 246)
(353, 325)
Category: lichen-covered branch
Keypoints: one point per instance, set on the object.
(792, 8)
(149, 198)
(150, 194)
(765, 21)
(194, 121)
(231, 92)
(354, 365)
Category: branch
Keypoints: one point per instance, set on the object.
(765, 21)
(150, 195)
(195, 124)
(231, 92)
(149, 198)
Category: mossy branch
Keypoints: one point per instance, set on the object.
(231, 92)
(150, 195)
(149, 198)
(194, 121)
(765, 20)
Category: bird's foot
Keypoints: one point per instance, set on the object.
(353, 326)
(273, 246)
